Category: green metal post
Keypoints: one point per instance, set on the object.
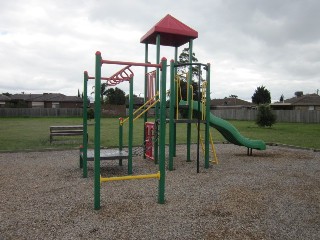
(207, 133)
(131, 100)
(189, 104)
(174, 96)
(85, 126)
(156, 144)
(145, 97)
(97, 108)
(171, 121)
(162, 143)
(120, 138)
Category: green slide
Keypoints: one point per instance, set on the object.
(228, 131)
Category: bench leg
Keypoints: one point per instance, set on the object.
(249, 152)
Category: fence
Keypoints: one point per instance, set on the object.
(40, 112)
(107, 111)
(298, 116)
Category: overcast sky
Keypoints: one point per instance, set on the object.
(46, 45)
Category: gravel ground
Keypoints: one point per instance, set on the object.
(274, 194)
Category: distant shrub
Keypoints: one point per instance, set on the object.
(265, 117)
(90, 114)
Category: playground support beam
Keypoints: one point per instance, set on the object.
(189, 103)
(162, 139)
(130, 126)
(171, 122)
(175, 88)
(85, 125)
(97, 107)
(156, 144)
(145, 96)
(120, 137)
(207, 133)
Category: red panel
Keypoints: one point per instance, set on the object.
(172, 33)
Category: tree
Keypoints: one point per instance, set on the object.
(78, 92)
(281, 98)
(265, 117)
(184, 58)
(115, 96)
(7, 94)
(103, 91)
(183, 71)
(261, 96)
(233, 96)
(90, 114)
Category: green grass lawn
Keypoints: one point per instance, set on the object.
(33, 133)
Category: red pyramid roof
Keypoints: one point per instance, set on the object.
(172, 32)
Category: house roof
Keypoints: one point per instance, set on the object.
(304, 100)
(46, 97)
(172, 33)
(230, 102)
(24, 97)
(4, 98)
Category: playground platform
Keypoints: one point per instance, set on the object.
(107, 154)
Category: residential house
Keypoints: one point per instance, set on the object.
(299, 102)
(4, 101)
(230, 103)
(45, 100)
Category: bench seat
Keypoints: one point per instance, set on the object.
(74, 130)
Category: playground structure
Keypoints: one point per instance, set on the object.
(167, 32)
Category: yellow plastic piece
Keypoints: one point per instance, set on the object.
(146, 176)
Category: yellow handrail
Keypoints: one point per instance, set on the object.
(146, 176)
(203, 111)
(146, 103)
(147, 109)
(214, 158)
(216, 161)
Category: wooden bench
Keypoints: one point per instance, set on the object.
(74, 130)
